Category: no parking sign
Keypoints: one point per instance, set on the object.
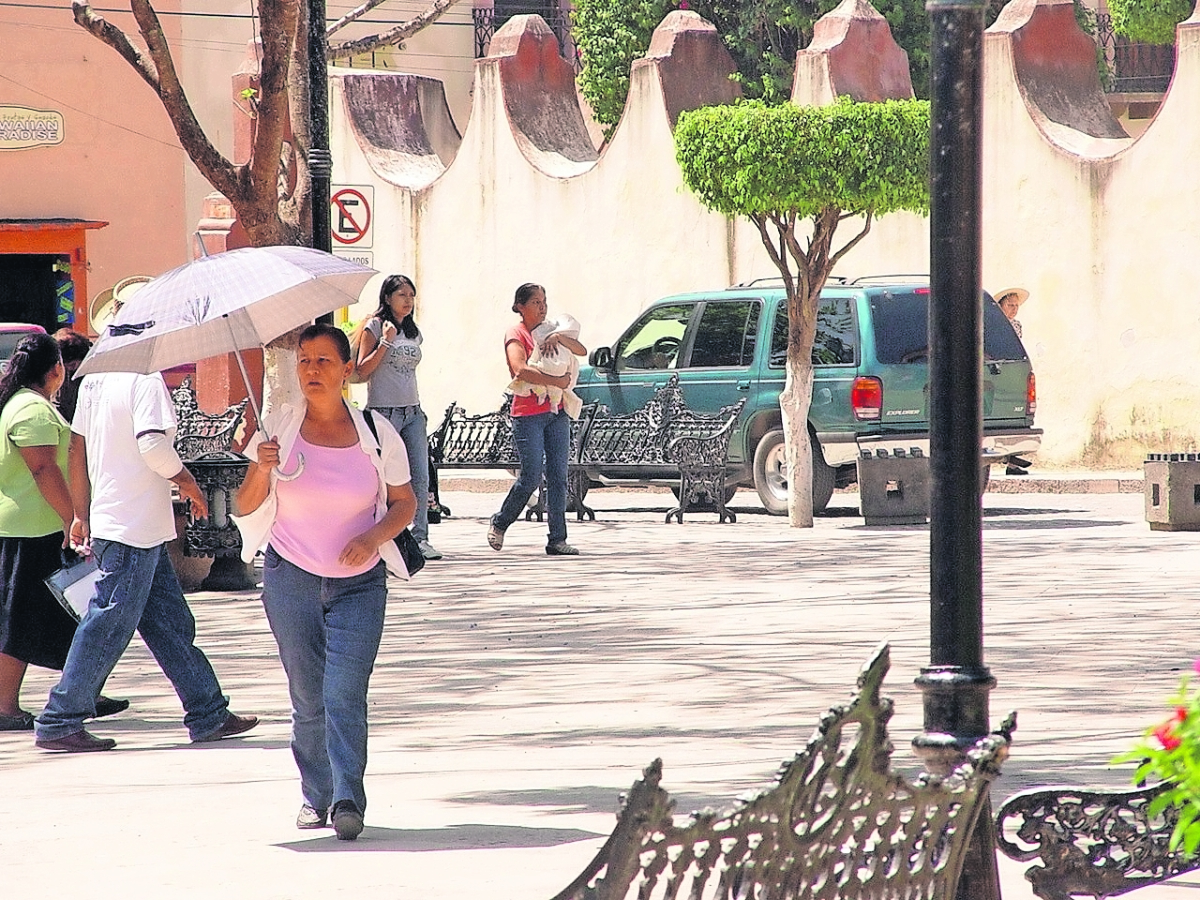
(350, 215)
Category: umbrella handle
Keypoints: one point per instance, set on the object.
(290, 476)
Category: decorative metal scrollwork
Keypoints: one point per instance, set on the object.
(1099, 843)
(837, 824)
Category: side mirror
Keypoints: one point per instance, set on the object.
(601, 358)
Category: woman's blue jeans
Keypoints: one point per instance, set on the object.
(543, 445)
(328, 632)
(410, 422)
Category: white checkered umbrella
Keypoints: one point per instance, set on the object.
(232, 301)
(237, 300)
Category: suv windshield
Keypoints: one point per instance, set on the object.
(654, 342)
(901, 326)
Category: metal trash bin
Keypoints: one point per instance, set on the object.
(219, 475)
(1172, 488)
(893, 489)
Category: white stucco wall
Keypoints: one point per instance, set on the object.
(1098, 229)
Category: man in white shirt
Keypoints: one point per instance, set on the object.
(122, 463)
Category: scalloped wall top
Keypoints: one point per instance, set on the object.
(402, 123)
(694, 67)
(852, 54)
(1055, 65)
(539, 94)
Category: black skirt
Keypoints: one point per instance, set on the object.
(33, 627)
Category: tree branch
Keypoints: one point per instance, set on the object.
(353, 16)
(159, 72)
(278, 33)
(836, 258)
(389, 38)
(99, 27)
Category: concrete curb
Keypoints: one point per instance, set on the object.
(1033, 483)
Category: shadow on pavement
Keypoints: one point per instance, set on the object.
(452, 837)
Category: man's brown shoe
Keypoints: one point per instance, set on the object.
(233, 725)
(79, 742)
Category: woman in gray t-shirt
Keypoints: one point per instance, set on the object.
(388, 355)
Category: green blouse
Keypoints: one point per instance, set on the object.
(28, 420)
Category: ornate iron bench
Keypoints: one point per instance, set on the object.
(837, 824)
(199, 432)
(665, 434)
(486, 442)
(1093, 842)
(669, 436)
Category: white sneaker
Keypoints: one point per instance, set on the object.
(428, 550)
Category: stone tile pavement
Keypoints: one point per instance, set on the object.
(517, 695)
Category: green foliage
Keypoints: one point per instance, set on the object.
(755, 160)
(612, 34)
(1170, 751)
(762, 36)
(1149, 21)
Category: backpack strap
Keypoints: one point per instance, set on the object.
(374, 433)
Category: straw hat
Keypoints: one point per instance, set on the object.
(107, 302)
(1020, 294)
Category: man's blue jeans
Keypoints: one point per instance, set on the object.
(138, 591)
(543, 445)
(412, 425)
(328, 632)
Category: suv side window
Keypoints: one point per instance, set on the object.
(654, 342)
(726, 335)
(836, 340)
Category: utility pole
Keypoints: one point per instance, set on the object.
(956, 683)
(320, 162)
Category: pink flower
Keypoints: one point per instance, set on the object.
(683, 4)
(1166, 736)
(1196, 666)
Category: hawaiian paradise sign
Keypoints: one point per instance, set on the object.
(22, 128)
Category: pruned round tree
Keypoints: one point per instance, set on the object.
(798, 173)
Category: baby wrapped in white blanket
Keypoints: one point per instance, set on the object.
(556, 361)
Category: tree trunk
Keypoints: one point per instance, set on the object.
(794, 403)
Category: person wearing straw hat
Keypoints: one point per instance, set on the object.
(1009, 301)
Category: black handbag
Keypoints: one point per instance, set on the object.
(410, 550)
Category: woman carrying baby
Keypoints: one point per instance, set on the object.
(541, 427)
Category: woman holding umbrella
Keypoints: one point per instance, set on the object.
(328, 535)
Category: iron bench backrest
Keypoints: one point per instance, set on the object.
(1092, 842)
(837, 824)
(483, 441)
(200, 433)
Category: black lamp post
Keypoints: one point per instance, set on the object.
(320, 163)
(956, 682)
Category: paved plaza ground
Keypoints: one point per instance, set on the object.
(517, 695)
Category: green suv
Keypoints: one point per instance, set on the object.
(870, 377)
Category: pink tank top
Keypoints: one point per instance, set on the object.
(332, 501)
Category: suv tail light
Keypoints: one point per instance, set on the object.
(866, 397)
(1031, 395)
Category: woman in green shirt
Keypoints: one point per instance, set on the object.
(35, 517)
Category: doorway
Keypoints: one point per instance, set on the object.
(37, 288)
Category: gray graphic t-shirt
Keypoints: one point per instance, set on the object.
(394, 381)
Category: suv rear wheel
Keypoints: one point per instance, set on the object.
(770, 474)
